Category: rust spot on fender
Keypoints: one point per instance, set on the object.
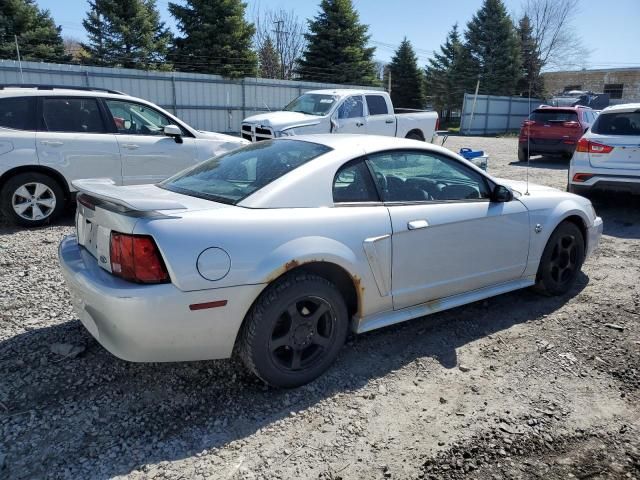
(290, 265)
(357, 282)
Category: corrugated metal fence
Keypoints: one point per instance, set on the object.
(206, 102)
(494, 114)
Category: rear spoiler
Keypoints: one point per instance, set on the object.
(106, 190)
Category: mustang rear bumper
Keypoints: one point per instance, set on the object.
(152, 323)
(594, 233)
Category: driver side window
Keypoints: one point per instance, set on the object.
(410, 176)
(352, 107)
(137, 119)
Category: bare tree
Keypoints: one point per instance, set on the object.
(555, 35)
(286, 32)
(73, 48)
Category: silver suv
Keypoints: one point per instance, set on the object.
(51, 135)
(607, 157)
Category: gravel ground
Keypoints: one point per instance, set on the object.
(519, 386)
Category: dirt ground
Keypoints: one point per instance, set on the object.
(516, 387)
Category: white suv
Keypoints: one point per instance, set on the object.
(51, 135)
(607, 157)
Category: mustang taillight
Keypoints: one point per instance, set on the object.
(587, 146)
(137, 259)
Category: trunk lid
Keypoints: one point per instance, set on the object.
(553, 126)
(104, 207)
(619, 129)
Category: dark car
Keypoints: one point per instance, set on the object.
(554, 131)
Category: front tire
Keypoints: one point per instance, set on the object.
(31, 199)
(561, 260)
(294, 331)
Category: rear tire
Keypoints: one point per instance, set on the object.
(522, 155)
(31, 199)
(415, 136)
(561, 260)
(294, 331)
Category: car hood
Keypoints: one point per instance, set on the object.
(221, 137)
(282, 119)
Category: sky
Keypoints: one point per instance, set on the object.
(609, 29)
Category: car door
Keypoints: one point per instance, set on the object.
(448, 237)
(17, 132)
(148, 155)
(349, 117)
(73, 138)
(380, 121)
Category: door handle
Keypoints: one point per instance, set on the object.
(130, 146)
(389, 120)
(417, 224)
(359, 124)
(52, 143)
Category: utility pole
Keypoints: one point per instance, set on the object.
(389, 81)
(279, 45)
(15, 37)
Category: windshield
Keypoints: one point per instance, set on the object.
(618, 123)
(312, 104)
(549, 116)
(233, 176)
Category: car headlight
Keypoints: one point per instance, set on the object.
(285, 133)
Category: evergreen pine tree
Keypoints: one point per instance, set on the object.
(38, 36)
(126, 33)
(337, 49)
(531, 63)
(493, 43)
(407, 82)
(216, 38)
(269, 60)
(449, 75)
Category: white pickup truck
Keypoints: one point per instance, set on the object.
(342, 111)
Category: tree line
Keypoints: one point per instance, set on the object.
(214, 36)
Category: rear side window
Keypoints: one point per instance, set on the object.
(18, 113)
(80, 115)
(617, 123)
(553, 116)
(353, 183)
(233, 176)
(377, 105)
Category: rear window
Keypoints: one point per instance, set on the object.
(617, 123)
(235, 175)
(377, 105)
(18, 113)
(551, 116)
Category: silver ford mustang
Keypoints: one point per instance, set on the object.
(276, 250)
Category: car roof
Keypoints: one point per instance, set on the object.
(624, 107)
(33, 91)
(370, 143)
(573, 107)
(346, 91)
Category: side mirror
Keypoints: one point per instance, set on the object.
(173, 131)
(334, 124)
(501, 194)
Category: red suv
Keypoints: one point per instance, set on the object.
(554, 131)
